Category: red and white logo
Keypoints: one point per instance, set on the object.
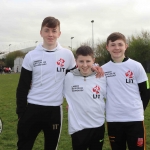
(96, 89)
(129, 74)
(140, 142)
(60, 62)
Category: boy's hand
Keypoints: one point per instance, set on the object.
(99, 71)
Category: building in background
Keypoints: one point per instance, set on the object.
(18, 64)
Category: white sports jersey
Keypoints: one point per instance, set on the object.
(48, 73)
(123, 101)
(85, 97)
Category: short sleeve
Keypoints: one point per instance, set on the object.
(141, 74)
(27, 64)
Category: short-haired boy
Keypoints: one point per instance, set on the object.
(85, 97)
(39, 105)
(127, 96)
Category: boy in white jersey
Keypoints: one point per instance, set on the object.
(127, 97)
(40, 88)
(85, 96)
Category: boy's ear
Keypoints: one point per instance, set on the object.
(41, 33)
(59, 33)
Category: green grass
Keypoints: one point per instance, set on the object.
(8, 138)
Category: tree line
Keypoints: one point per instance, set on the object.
(138, 49)
(8, 61)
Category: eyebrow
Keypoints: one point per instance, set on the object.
(116, 43)
(49, 28)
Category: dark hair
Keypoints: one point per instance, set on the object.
(50, 22)
(116, 36)
(84, 51)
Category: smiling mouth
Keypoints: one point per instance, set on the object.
(84, 69)
(116, 52)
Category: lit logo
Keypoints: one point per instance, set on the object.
(140, 142)
(129, 76)
(96, 91)
(60, 62)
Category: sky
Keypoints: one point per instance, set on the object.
(20, 20)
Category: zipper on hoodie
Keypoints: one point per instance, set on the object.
(84, 78)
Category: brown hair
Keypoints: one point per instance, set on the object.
(84, 51)
(116, 36)
(50, 22)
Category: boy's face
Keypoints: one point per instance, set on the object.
(50, 35)
(117, 49)
(84, 64)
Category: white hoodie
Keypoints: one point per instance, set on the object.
(48, 73)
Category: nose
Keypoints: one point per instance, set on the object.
(50, 33)
(84, 64)
(116, 47)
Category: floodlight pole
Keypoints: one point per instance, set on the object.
(92, 35)
(71, 42)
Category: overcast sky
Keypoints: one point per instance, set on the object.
(20, 20)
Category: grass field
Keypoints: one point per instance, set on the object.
(8, 138)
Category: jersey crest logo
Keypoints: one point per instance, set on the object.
(129, 74)
(60, 62)
(140, 142)
(96, 91)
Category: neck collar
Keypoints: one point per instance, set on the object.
(125, 59)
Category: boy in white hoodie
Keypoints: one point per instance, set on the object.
(39, 105)
(85, 97)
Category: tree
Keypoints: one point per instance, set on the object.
(139, 49)
(2, 63)
(11, 57)
(101, 54)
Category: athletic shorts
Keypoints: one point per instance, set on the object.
(92, 138)
(126, 134)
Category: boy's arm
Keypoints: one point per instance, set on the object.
(22, 91)
(144, 92)
(71, 69)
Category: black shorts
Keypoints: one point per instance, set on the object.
(38, 118)
(126, 134)
(92, 138)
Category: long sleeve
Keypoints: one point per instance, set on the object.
(22, 91)
(145, 93)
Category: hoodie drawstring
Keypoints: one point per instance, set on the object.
(41, 67)
(55, 65)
